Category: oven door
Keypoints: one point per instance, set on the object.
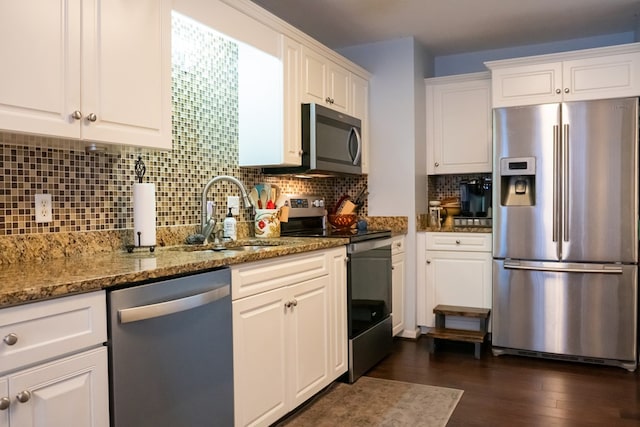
(368, 284)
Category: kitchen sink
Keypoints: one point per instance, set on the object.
(238, 246)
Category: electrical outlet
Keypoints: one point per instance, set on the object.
(44, 212)
(233, 202)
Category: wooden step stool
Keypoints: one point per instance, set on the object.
(442, 332)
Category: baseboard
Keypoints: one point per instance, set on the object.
(409, 334)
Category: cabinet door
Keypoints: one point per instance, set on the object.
(338, 87)
(338, 318)
(397, 301)
(126, 72)
(292, 149)
(612, 76)
(4, 399)
(459, 130)
(259, 358)
(72, 392)
(314, 71)
(360, 109)
(40, 76)
(308, 334)
(457, 278)
(527, 85)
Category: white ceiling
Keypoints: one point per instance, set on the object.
(455, 26)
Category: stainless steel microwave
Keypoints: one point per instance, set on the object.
(331, 144)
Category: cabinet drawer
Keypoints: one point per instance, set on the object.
(397, 245)
(467, 242)
(48, 329)
(255, 277)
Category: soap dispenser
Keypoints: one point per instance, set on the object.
(230, 226)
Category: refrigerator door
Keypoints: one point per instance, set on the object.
(600, 181)
(580, 310)
(526, 232)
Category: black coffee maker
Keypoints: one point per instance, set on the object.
(475, 198)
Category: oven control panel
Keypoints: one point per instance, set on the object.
(305, 205)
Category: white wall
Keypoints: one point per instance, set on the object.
(472, 62)
(397, 181)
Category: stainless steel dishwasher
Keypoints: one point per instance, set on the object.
(170, 352)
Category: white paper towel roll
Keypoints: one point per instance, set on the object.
(144, 214)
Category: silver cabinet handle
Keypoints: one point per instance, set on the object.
(436, 164)
(566, 90)
(10, 339)
(558, 91)
(327, 100)
(294, 302)
(458, 242)
(23, 396)
(287, 304)
(144, 312)
(77, 115)
(4, 403)
(92, 117)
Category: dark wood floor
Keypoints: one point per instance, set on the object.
(518, 391)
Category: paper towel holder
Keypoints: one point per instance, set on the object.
(130, 248)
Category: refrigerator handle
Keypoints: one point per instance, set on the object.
(556, 188)
(565, 182)
(564, 267)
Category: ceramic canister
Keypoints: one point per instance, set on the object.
(267, 223)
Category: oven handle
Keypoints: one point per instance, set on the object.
(151, 311)
(354, 248)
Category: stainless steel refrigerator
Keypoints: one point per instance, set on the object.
(565, 231)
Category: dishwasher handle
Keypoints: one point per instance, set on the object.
(151, 311)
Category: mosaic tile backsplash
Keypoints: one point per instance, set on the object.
(443, 186)
(92, 192)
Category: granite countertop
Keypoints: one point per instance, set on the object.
(43, 279)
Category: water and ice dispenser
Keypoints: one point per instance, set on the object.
(518, 181)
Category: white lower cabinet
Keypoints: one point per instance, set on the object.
(456, 271)
(398, 278)
(71, 392)
(53, 367)
(289, 342)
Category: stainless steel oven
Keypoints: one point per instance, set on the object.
(368, 281)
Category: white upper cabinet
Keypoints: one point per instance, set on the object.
(85, 69)
(324, 82)
(459, 131)
(609, 72)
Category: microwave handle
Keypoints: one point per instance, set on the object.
(355, 159)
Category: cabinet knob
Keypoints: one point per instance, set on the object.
(457, 242)
(428, 261)
(392, 268)
(558, 91)
(4, 403)
(11, 339)
(300, 152)
(436, 164)
(77, 115)
(294, 302)
(327, 100)
(566, 90)
(23, 396)
(287, 304)
(92, 117)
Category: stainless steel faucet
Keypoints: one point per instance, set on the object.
(208, 224)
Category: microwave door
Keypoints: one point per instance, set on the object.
(338, 146)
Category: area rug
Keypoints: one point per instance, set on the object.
(377, 402)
